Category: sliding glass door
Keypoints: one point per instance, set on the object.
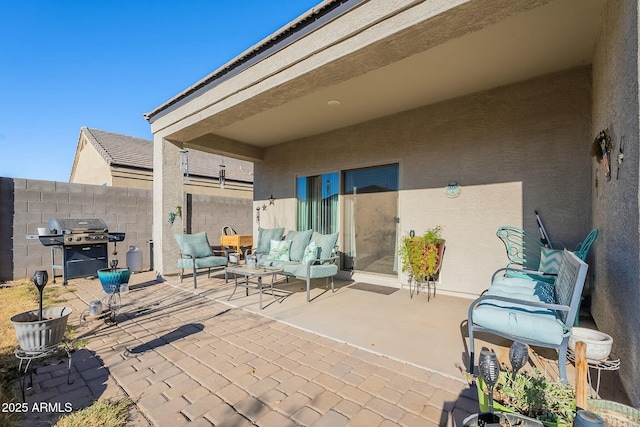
(370, 219)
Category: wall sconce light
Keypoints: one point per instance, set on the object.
(452, 190)
(258, 215)
(222, 176)
(185, 164)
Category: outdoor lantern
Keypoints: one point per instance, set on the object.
(185, 165)
(489, 370)
(518, 356)
(40, 279)
(221, 176)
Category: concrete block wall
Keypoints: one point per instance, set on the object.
(211, 214)
(27, 204)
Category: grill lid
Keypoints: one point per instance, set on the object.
(72, 226)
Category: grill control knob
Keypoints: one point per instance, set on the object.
(78, 238)
(69, 239)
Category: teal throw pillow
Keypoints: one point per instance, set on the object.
(310, 253)
(550, 260)
(279, 250)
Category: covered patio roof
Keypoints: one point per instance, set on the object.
(378, 59)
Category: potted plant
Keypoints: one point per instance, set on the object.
(532, 395)
(421, 255)
(40, 330)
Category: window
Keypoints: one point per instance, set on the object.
(318, 203)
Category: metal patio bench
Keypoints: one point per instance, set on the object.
(532, 312)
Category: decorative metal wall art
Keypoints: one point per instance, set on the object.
(601, 150)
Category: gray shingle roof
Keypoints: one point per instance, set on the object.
(129, 151)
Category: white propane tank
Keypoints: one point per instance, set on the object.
(134, 259)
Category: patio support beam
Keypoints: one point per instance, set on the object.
(168, 192)
(215, 144)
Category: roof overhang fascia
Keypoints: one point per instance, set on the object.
(290, 33)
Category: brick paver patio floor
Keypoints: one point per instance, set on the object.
(188, 360)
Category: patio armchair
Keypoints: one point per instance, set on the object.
(197, 253)
(533, 312)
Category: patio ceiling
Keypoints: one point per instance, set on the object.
(398, 73)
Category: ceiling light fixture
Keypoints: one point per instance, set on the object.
(333, 103)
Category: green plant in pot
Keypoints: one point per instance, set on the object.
(421, 255)
(531, 394)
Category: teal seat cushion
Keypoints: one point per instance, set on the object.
(316, 271)
(265, 236)
(206, 262)
(325, 243)
(194, 244)
(299, 241)
(277, 264)
(521, 320)
(544, 292)
(514, 281)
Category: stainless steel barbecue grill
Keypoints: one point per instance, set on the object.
(83, 246)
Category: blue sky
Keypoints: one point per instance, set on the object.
(102, 64)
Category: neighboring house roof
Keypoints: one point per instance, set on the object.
(133, 152)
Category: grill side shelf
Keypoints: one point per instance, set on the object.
(52, 240)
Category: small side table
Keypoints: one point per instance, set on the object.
(612, 363)
(252, 273)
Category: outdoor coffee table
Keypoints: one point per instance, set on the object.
(252, 273)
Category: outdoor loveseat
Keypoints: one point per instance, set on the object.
(305, 254)
(532, 312)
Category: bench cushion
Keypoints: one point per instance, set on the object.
(533, 323)
(325, 243)
(299, 241)
(265, 236)
(316, 271)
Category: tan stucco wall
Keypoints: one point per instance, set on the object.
(514, 150)
(91, 167)
(133, 178)
(168, 193)
(616, 292)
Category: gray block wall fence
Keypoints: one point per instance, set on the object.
(27, 204)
